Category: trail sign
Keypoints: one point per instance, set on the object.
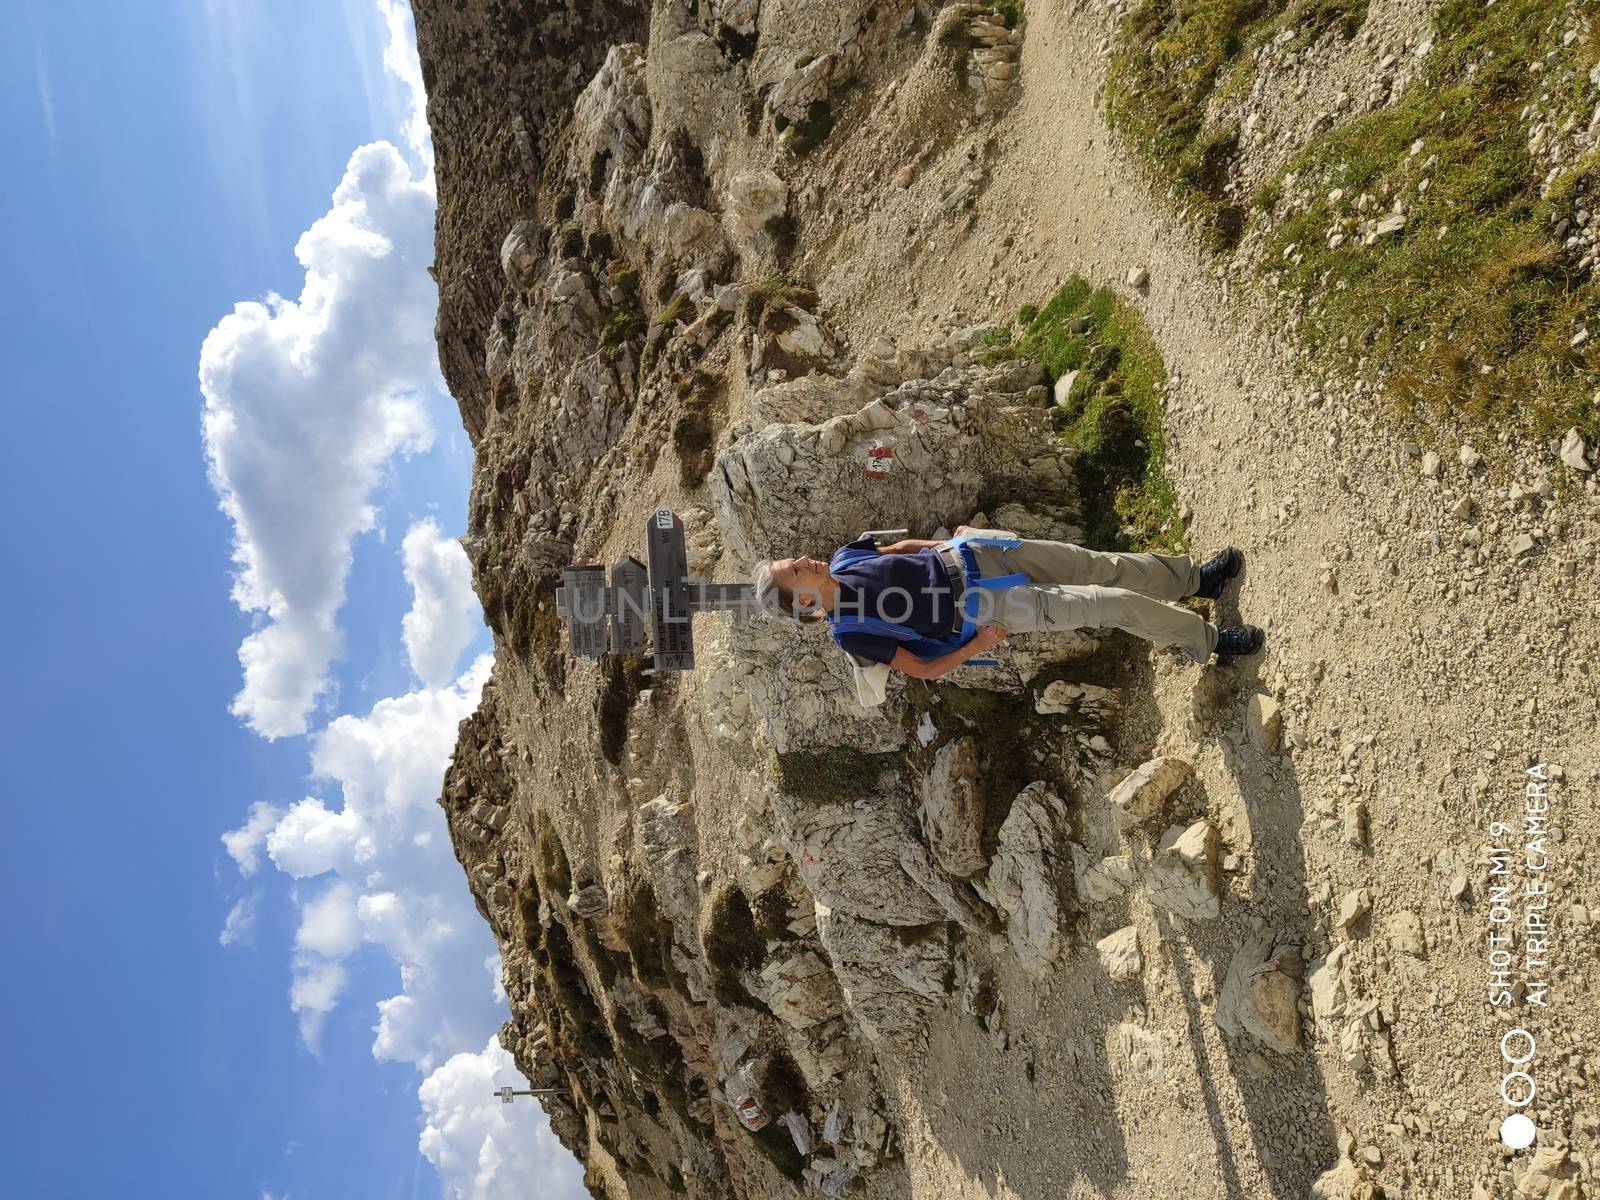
(586, 606)
(671, 622)
(628, 602)
(602, 616)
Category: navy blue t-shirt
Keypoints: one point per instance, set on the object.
(906, 589)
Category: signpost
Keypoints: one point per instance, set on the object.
(612, 616)
(508, 1093)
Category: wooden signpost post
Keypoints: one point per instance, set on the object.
(613, 616)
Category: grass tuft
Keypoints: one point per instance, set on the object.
(1171, 60)
(1468, 312)
(834, 773)
(1470, 308)
(1112, 414)
(732, 947)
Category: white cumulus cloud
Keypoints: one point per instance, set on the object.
(328, 925)
(314, 994)
(395, 879)
(244, 843)
(444, 616)
(306, 401)
(239, 928)
(486, 1150)
(401, 61)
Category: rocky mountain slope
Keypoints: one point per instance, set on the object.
(1100, 922)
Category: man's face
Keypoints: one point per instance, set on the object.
(802, 576)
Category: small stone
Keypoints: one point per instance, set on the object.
(1469, 457)
(1141, 795)
(1575, 452)
(1372, 1156)
(1138, 277)
(1353, 907)
(904, 176)
(1260, 995)
(1390, 224)
(1063, 390)
(1404, 931)
(1263, 722)
(1430, 465)
(1461, 510)
(1119, 954)
(1522, 545)
(1355, 823)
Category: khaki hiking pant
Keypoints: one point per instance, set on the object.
(1077, 588)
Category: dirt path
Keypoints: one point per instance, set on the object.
(1418, 672)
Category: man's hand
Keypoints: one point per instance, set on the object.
(908, 546)
(989, 635)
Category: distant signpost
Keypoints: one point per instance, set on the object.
(509, 1094)
(612, 616)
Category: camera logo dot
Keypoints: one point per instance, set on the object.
(1518, 1131)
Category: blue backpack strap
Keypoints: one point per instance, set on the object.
(922, 646)
(963, 544)
(1006, 541)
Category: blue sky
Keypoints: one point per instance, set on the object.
(164, 160)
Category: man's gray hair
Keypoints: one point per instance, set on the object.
(778, 600)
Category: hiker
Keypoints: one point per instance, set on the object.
(928, 607)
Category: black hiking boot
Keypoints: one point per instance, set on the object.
(1236, 641)
(1217, 570)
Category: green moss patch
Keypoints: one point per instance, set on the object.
(1467, 311)
(1013, 11)
(647, 932)
(694, 434)
(1112, 413)
(555, 874)
(775, 291)
(838, 772)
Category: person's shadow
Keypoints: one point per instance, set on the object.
(1033, 1112)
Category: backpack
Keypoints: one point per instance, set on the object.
(871, 681)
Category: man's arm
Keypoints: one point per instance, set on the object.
(932, 668)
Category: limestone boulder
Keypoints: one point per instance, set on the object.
(848, 851)
(1030, 879)
(1260, 995)
(1099, 880)
(1143, 793)
(1182, 876)
(589, 902)
(519, 255)
(753, 203)
(800, 989)
(952, 809)
(1345, 1181)
(890, 982)
(1119, 954)
(668, 848)
(1264, 723)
